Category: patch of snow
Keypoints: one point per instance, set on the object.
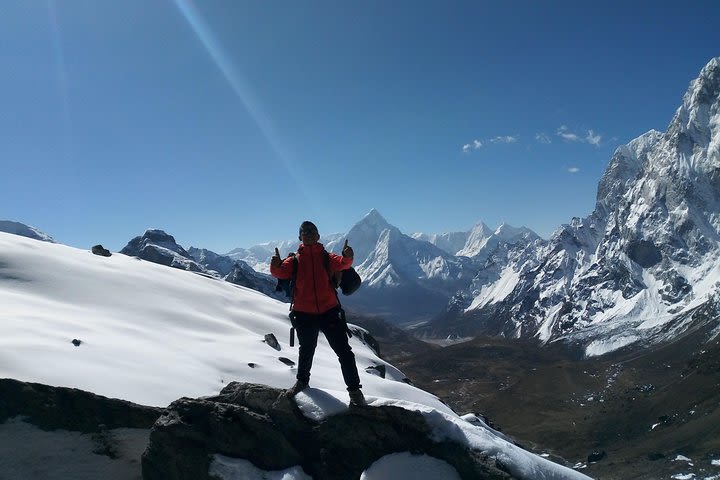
(406, 466)
(227, 468)
(601, 347)
(497, 291)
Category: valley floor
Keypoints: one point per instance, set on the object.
(647, 414)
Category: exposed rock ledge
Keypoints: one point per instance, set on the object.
(52, 408)
(262, 425)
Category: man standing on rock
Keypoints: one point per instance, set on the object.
(315, 307)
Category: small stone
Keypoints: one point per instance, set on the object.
(271, 340)
(378, 370)
(76, 342)
(596, 456)
(287, 361)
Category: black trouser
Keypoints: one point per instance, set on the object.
(308, 326)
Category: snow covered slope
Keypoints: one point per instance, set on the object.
(151, 334)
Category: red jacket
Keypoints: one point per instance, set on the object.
(313, 291)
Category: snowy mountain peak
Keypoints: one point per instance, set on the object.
(364, 235)
(451, 242)
(483, 241)
(17, 228)
(624, 166)
(508, 232)
(476, 240)
(156, 237)
(709, 75)
(374, 218)
(697, 120)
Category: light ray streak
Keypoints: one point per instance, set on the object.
(61, 73)
(240, 87)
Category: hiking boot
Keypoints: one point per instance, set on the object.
(297, 388)
(357, 399)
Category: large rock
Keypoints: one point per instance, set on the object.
(262, 425)
(71, 409)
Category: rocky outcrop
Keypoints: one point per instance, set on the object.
(71, 409)
(100, 250)
(262, 425)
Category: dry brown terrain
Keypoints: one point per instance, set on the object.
(642, 408)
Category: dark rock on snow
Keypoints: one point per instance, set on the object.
(264, 426)
(100, 250)
(287, 361)
(271, 340)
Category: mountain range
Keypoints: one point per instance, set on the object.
(642, 268)
(406, 278)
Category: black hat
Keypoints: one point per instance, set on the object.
(307, 225)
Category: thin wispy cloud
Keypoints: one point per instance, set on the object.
(475, 145)
(591, 137)
(563, 132)
(573, 170)
(543, 138)
(505, 139)
(478, 144)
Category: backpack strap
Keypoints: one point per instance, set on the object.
(293, 278)
(334, 278)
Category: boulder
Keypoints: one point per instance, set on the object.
(100, 250)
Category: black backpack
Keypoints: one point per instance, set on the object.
(350, 281)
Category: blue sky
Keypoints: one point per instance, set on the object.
(227, 123)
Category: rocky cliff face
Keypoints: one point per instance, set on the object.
(639, 266)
